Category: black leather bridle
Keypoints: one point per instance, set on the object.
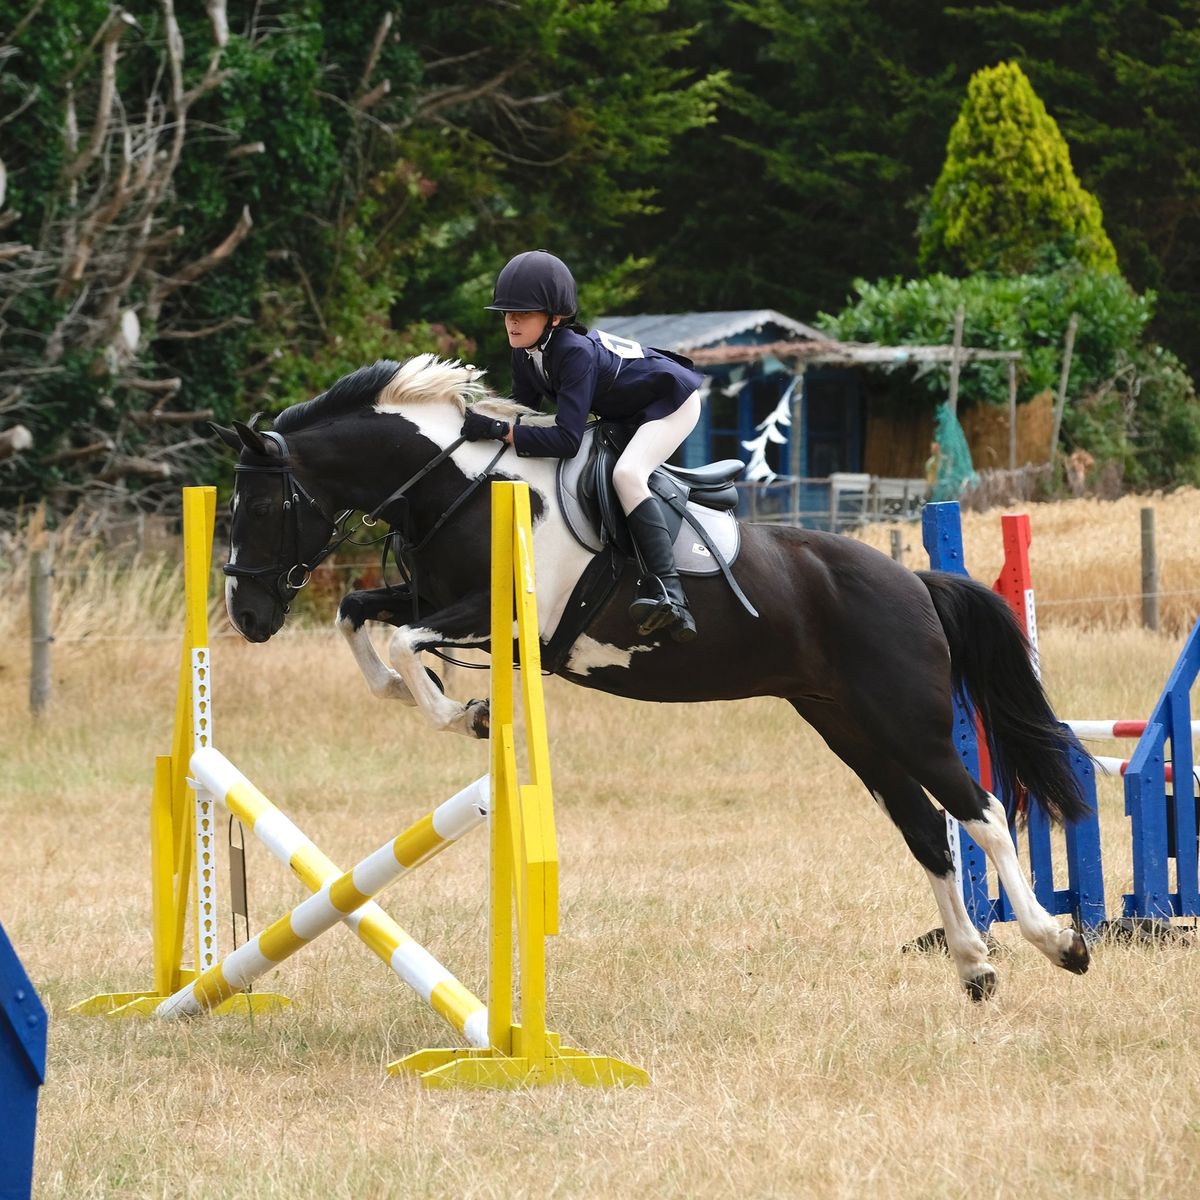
(297, 500)
(278, 578)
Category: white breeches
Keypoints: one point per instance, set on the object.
(651, 445)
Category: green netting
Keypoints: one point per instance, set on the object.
(949, 467)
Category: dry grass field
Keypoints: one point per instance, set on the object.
(732, 909)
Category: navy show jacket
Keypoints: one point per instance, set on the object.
(614, 377)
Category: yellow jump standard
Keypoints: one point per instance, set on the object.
(182, 828)
(523, 878)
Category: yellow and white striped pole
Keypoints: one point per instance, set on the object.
(415, 966)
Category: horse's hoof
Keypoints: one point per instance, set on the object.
(982, 985)
(479, 719)
(1075, 957)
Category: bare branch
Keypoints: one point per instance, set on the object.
(376, 94)
(30, 96)
(212, 79)
(452, 60)
(204, 331)
(116, 26)
(376, 48)
(453, 97)
(201, 266)
(219, 21)
(23, 23)
(248, 149)
(174, 56)
(12, 249)
(157, 417)
(71, 123)
(155, 386)
(123, 466)
(103, 216)
(79, 453)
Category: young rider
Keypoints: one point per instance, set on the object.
(555, 358)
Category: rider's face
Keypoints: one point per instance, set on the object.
(524, 328)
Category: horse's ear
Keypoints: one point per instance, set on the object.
(251, 439)
(228, 436)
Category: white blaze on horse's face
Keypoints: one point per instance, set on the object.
(230, 582)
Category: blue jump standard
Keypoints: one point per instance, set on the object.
(22, 1071)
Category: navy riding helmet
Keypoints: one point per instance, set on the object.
(535, 281)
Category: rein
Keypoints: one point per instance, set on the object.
(403, 548)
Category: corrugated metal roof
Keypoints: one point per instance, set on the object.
(689, 331)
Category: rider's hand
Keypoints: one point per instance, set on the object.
(476, 427)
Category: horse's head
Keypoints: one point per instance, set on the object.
(277, 532)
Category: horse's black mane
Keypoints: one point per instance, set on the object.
(349, 394)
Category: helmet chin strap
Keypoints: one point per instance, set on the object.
(544, 336)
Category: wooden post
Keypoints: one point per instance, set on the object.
(1061, 399)
(955, 351)
(41, 589)
(897, 546)
(1149, 572)
(1012, 414)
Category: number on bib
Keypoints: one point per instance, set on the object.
(621, 347)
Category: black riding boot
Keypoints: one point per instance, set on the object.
(661, 602)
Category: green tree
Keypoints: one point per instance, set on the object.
(820, 149)
(1122, 77)
(1007, 198)
(207, 220)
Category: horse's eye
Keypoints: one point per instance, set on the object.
(262, 508)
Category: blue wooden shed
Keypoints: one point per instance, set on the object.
(750, 360)
(22, 1071)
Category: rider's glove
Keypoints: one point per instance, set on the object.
(476, 427)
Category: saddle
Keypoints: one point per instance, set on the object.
(697, 503)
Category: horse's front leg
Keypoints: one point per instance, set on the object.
(355, 610)
(465, 623)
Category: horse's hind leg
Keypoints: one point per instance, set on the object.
(924, 831)
(910, 722)
(983, 817)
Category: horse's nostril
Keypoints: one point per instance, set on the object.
(246, 621)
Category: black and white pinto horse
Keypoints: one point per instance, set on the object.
(866, 651)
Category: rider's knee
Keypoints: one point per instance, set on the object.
(629, 482)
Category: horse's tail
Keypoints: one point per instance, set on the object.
(989, 663)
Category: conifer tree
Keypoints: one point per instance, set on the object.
(1008, 198)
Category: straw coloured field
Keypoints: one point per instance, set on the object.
(732, 909)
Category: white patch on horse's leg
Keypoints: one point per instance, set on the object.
(385, 684)
(1062, 945)
(589, 655)
(966, 947)
(439, 710)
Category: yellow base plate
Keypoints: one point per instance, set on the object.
(143, 1004)
(491, 1069)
